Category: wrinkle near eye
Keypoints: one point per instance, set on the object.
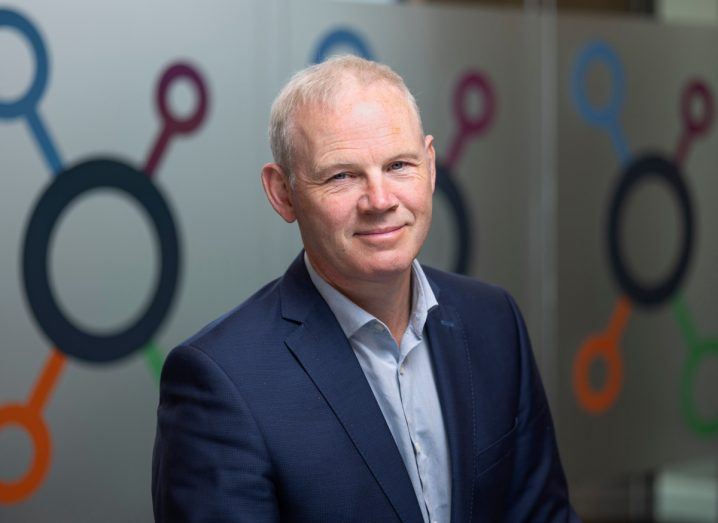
(335, 188)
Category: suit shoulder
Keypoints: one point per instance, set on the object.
(252, 319)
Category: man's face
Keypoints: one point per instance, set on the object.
(364, 178)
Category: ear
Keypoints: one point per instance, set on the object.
(431, 157)
(279, 193)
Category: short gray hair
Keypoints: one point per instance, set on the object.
(320, 83)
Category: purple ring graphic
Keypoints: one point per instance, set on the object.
(697, 89)
(172, 123)
(467, 124)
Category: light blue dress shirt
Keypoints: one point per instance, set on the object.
(402, 380)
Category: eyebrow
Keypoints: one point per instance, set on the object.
(409, 155)
(320, 171)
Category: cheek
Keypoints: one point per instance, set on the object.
(421, 202)
(335, 216)
(335, 213)
(328, 221)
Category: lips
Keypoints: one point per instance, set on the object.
(380, 231)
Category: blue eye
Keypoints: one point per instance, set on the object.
(340, 176)
(395, 166)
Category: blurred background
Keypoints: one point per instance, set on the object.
(578, 155)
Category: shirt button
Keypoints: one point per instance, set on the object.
(402, 368)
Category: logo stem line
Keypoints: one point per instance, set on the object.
(683, 318)
(44, 142)
(154, 359)
(619, 319)
(684, 143)
(455, 149)
(48, 379)
(620, 144)
(157, 152)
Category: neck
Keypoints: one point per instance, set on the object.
(388, 300)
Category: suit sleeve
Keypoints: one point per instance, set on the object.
(538, 490)
(210, 461)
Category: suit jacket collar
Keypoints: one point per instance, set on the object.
(324, 352)
(298, 295)
(320, 346)
(451, 359)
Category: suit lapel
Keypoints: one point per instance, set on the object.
(321, 348)
(455, 385)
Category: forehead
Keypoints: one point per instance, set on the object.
(355, 114)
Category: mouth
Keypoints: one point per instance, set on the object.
(380, 231)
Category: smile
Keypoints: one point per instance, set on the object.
(383, 232)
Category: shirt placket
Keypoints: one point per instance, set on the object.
(407, 392)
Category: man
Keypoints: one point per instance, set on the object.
(359, 387)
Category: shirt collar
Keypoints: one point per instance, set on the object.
(351, 317)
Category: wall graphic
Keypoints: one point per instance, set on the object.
(530, 208)
(638, 292)
(467, 126)
(68, 183)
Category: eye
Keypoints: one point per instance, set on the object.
(397, 166)
(339, 176)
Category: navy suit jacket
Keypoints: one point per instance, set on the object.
(265, 415)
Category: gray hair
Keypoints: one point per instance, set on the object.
(319, 84)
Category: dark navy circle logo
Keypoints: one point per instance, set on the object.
(63, 190)
(644, 168)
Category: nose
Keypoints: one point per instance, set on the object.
(378, 195)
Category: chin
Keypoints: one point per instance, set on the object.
(387, 268)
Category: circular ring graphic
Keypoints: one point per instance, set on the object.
(463, 249)
(172, 123)
(33, 424)
(598, 399)
(26, 103)
(643, 168)
(341, 36)
(606, 115)
(468, 124)
(70, 339)
(697, 90)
